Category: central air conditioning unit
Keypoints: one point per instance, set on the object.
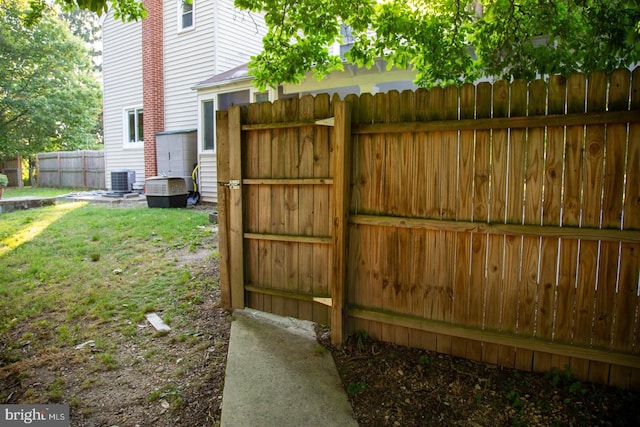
(122, 180)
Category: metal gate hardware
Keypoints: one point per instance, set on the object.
(233, 184)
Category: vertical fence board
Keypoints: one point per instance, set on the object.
(305, 206)
(405, 236)
(545, 286)
(252, 206)
(513, 215)
(421, 153)
(532, 178)
(321, 208)
(359, 279)
(477, 297)
(376, 233)
(393, 191)
(265, 247)
(553, 171)
(291, 194)
(591, 208)
(421, 197)
(464, 211)
(573, 172)
(497, 213)
(448, 198)
(278, 205)
(612, 200)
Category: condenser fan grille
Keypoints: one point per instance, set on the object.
(122, 181)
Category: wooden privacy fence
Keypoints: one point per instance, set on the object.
(500, 223)
(12, 168)
(74, 169)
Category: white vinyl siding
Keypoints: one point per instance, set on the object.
(122, 82)
(208, 177)
(239, 36)
(189, 57)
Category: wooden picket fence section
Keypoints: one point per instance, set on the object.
(73, 169)
(500, 223)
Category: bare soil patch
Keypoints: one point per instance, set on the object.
(391, 385)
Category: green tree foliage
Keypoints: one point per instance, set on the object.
(127, 10)
(85, 25)
(447, 41)
(49, 94)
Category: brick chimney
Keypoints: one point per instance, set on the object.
(152, 82)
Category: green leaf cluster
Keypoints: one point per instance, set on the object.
(447, 41)
(50, 97)
(126, 10)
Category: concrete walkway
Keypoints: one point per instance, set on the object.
(279, 376)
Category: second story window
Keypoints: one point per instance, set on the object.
(186, 18)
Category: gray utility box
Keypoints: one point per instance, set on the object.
(166, 192)
(176, 154)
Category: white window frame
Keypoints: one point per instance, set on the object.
(212, 95)
(273, 93)
(125, 127)
(181, 13)
(213, 99)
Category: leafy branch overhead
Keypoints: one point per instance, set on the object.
(127, 10)
(446, 41)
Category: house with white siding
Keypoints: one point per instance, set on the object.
(150, 69)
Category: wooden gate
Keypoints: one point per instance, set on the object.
(284, 207)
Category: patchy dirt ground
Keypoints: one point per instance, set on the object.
(167, 379)
(390, 385)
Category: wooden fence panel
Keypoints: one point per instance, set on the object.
(12, 168)
(72, 169)
(495, 222)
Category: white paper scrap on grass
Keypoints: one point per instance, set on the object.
(157, 322)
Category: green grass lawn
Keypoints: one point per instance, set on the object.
(36, 192)
(68, 270)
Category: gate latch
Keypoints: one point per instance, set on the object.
(233, 184)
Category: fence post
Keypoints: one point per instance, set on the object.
(222, 160)
(340, 217)
(59, 171)
(236, 234)
(84, 169)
